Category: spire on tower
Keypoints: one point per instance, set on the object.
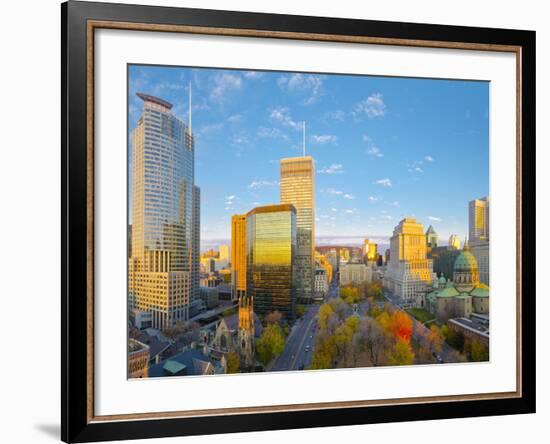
(304, 137)
(190, 109)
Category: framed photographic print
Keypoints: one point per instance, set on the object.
(275, 221)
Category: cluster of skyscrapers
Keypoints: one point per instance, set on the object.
(273, 246)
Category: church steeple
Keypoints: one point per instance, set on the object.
(245, 335)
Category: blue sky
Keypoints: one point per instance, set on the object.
(384, 147)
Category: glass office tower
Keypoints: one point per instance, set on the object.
(164, 261)
(270, 250)
(297, 188)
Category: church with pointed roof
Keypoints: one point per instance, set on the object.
(463, 295)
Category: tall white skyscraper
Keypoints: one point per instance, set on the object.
(164, 262)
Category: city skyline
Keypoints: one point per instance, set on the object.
(381, 146)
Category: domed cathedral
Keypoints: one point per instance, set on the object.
(466, 273)
(461, 296)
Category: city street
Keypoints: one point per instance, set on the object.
(301, 340)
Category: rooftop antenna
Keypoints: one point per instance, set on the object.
(304, 137)
(190, 109)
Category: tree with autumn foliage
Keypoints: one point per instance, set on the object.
(350, 295)
(233, 362)
(401, 326)
(401, 353)
(435, 339)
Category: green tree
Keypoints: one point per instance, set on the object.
(270, 344)
(478, 351)
(402, 353)
(300, 310)
(233, 362)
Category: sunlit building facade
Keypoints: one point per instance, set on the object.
(454, 242)
(238, 255)
(409, 270)
(164, 261)
(478, 218)
(370, 251)
(297, 188)
(270, 255)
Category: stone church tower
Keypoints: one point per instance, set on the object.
(245, 335)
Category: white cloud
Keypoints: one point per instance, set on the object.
(230, 197)
(349, 196)
(395, 203)
(303, 83)
(235, 118)
(429, 159)
(435, 219)
(239, 139)
(375, 151)
(271, 133)
(254, 75)
(282, 116)
(335, 168)
(334, 192)
(334, 115)
(373, 199)
(373, 106)
(223, 83)
(208, 129)
(351, 211)
(255, 184)
(385, 182)
(322, 139)
(333, 209)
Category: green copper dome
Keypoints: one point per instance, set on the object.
(465, 261)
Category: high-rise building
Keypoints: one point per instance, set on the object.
(270, 255)
(164, 263)
(478, 217)
(479, 235)
(297, 188)
(224, 253)
(370, 251)
(333, 258)
(431, 237)
(454, 242)
(409, 270)
(238, 254)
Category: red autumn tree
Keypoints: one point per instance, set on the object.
(401, 325)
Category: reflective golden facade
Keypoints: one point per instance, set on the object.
(238, 254)
(297, 188)
(164, 261)
(478, 214)
(270, 254)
